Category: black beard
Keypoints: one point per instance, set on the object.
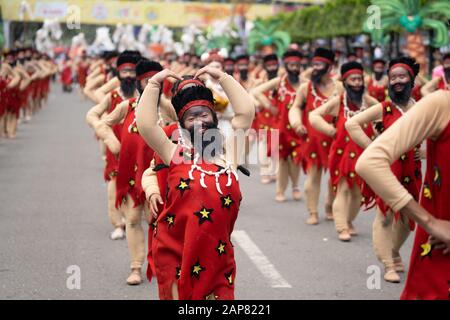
(243, 74)
(316, 76)
(355, 96)
(22, 61)
(378, 75)
(200, 144)
(229, 71)
(403, 96)
(13, 64)
(293, 77)
(304, 66)
(272, 74)
(447, 74)
(128, 86)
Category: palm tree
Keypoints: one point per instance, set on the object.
(412, 16)
(266, 37)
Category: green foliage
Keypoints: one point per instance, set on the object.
(268, 33)
(412, 15)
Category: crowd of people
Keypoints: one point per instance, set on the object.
(148, 114)
(25, 76)
(369, 128)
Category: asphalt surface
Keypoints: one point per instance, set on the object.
(53, 217)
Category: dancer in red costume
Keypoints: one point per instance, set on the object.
(344, 152)
(315, 145)
(126, 65)
(193, 255)
(390, 229)
(289, 142)
(429, 271)
(377, 83)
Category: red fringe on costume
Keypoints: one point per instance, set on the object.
(315, 144)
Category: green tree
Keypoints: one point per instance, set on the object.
(413, 16)
(266, 36)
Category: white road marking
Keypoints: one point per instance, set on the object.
(259, 259)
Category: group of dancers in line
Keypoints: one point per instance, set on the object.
(25, 76)
(367, 129)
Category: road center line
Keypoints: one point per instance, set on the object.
(259, 259)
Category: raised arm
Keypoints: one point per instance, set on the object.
(316, 119)
(106, 88)
(427, 119)
(258, 91)
(94, 114)
(104, 130)
(92, 85)
(355, 123)
(295, 113)
(147, 117)
(430, 87)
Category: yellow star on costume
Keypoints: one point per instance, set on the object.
(229, 277)
(427, 192)
(183, 185)
(196, 269)
(227, 201)
(204, 215)
(426, 249)
(170, 220)
(221, 248)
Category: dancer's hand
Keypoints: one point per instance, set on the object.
(438, 244)
(155, 201)
(301, 130)
(164, 74)
(214, 73)
(440, 232)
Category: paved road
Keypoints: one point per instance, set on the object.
(53, 216)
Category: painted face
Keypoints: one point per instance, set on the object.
(398, 78)
(319, 70)
(216, 64)
(354, 85)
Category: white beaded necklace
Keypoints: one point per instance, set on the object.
(228, 169)
(400, 109)
(320, 99)
(349, 113)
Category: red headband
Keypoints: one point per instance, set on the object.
(403, 65)
(148, 74)
(292, 59)
(125, 65)
(189, 81)
(195, 103)
(351, 71)
(322, 59)
(271, 62)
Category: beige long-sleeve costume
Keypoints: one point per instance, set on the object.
(388, 235)
(347, 202)
(426, 120)
(314, 174)
(287, 169)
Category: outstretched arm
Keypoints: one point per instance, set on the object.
(147, 117)
(106, 88)
(427, 119)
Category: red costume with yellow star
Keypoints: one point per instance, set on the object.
(289, 141)
(344, 152)
(315, 144)
(191, 244)
(112, 162)
(429, 275)
(406, 169)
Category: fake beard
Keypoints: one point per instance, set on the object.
(378, 75)
(229, 71)
(400, 97)
(354, 94)
(210, 146)
(243, 74)
(272, 74)
(128, 86)
(316, 76)
(293, 76)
